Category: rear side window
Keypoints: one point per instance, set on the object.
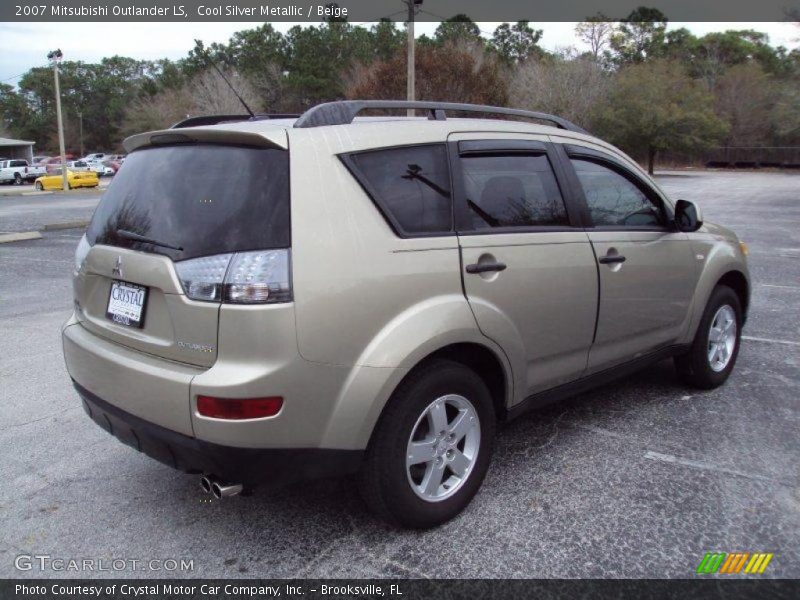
(411, 185)
(18, 163)
(200, 199)
(512, 191)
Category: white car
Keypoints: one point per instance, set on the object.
(98, 167)
(79, 165)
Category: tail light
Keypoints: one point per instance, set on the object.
(239, 408)
(260, 277)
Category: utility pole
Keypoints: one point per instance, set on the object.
(80, 130)
(55, 57)
(413, 9)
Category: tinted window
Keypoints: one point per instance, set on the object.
(205, 199)
(19, 163)
(512, 191)
(412, 184)
(614, 199)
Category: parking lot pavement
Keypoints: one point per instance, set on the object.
(635, 479)
(32, 213)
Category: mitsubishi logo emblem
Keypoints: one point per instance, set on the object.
(117, 270)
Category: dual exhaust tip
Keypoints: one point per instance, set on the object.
(218, 489)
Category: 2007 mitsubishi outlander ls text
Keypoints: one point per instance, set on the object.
(272, 299)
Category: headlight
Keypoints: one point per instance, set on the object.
(81, 251)
(743, 247)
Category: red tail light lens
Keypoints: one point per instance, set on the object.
(239, 408)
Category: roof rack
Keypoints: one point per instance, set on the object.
(215, 119)
(343, 112)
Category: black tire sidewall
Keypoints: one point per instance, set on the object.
(409, 403)
(702, 371)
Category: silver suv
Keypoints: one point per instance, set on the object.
(272, 299)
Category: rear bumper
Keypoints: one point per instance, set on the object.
(248, 466)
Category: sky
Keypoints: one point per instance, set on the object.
(25, 45)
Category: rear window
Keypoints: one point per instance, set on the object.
(411, 186)
(204, 199)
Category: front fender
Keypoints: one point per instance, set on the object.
(722, 255)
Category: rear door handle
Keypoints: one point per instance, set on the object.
(608, 260)
(486, 267)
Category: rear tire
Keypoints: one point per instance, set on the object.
(709, 362)
(444, 409)
(17, 179)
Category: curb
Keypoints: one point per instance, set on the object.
(66, 225)
(19, 237)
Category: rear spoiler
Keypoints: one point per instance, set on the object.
(271, 138)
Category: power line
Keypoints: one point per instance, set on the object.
(24, 73)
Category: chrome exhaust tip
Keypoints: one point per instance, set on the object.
(205, 484)
(225, 491)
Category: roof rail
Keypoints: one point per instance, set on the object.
(344, 111)
(215, 119)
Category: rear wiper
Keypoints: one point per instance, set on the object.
(130, 235)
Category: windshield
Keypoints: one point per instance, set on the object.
(199, 199)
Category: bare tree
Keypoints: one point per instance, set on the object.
(595, 32)
(744, 98)
(204, 94)
(211, 95)
(574, 89)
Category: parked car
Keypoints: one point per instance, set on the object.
(95, 156)
(375, 295)
(75, 179)
(113, 165)
(100, 168)
(79, 165)
(18, 171)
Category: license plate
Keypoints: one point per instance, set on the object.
(126, 303)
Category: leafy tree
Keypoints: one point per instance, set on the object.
(516, 43)
(639, 36)
(457, 28)
(316, 58)
(657, 107)
(387, 39)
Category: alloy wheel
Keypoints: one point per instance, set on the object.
(443, 447)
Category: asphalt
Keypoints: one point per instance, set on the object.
(635, 479)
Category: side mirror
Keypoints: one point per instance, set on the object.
(687, 216)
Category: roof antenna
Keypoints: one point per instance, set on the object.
(225, 79)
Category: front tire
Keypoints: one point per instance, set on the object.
(38, 186)
(431, 448)
(711, 359)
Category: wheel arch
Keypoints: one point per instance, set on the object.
(477, 357)
(736, 280)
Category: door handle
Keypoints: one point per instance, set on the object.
(486, 267)
(609, 260)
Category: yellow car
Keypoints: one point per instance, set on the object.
(75, 179)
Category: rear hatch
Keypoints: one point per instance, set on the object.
(164, 236)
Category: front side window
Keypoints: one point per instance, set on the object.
(410, 184)
(613, 199)
(512, 191)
